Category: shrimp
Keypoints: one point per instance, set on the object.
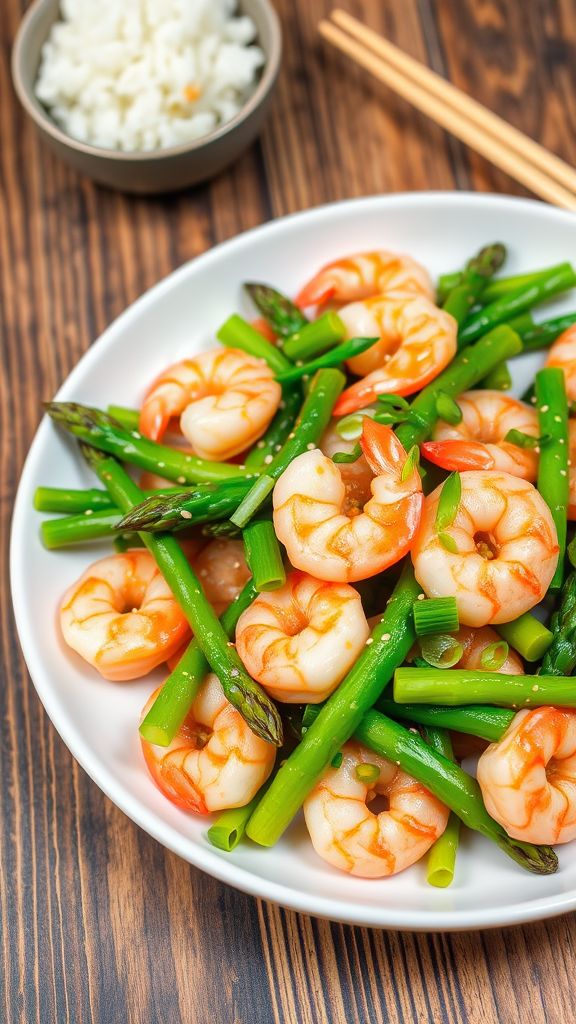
(478, 442)
(506, 548)
(300, 641)
(225, 400)
(356, 476)
(475, 641)
(416, 341)
(563, 354)
(121, 616)
(365, 274)
(347, 834)
(321, 539)
(222, 570)
(528, 778)
(215, 761)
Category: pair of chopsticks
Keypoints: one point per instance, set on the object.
(504, 146)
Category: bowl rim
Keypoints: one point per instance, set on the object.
(43, 120)
(206, 858)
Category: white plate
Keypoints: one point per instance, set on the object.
(97, 719)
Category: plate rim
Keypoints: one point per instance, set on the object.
(205, 858)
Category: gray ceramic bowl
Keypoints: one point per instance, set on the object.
(163, 170)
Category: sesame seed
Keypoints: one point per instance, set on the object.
(234, 672)
(181, 480)
(89, 512)
(466, 361)
(369, 641)
(561, 440)
(136, 435)
(544, 408)
(305, 377)
(385, 637)
(277, 447)
(185, 514)
(161, 465)
(537, 449)
(291, 437)
(563, 472)
(260, 444)
(421, 597)
(268, 460)
(310, 446)
(188, 458)
(557, 419)
(535, 688)
(229, 644)
(299, 362)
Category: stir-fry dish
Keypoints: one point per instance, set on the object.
(332, 530)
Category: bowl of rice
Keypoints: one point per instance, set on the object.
(147, 96)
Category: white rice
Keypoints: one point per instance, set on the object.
(147, 74)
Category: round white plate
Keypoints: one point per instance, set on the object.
(97, 719)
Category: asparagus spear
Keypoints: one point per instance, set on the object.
(237, 333)
(510, 305)
(442, 857)
(280, 312)
(340, 715)
(178, 691)
(334, 356)
(543, 334)
(465, 686)
(283, 423)
(560, 658)
(98, 429)
(473, 280)
(553, 483)
(314, 338)
(466, 369)
(249, 699)
(489, 723)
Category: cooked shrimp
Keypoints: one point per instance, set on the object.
(321, 539)
(300, 641)
(477, 442)
(506, 549)
(347, 834)
(222, 570)
(563, 354)
(365, 274)
(416, 341)
(475, 642)
(528, 778)
(225, 400)
(121, 616)
(215, 761)
(356, 476)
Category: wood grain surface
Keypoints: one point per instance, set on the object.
(99, 923)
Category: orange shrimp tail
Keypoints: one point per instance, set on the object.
(315, 293)
(457, 455)
(382, 449)
(153, 422)
(361, 394)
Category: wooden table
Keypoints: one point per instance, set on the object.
(100, 923)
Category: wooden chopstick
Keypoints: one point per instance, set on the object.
(504, 146)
